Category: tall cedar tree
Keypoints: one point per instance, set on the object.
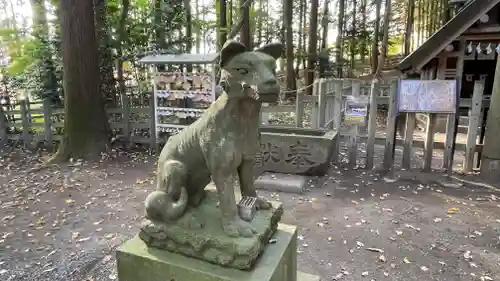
(86, 123)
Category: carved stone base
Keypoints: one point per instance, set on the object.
(138, 262)
(199, 234)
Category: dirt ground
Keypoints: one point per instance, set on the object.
(64, 223)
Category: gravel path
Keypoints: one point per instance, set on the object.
(64, 223)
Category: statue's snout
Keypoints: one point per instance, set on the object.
(270, 86)
(269, 91)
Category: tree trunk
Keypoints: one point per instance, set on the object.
(107, 79)
(198, 29)
(231, 12)
(159, 28)
(426, 20)
(353, 40)
(158, 25)
(259, 27)
(430, 21)
(304, 37)
(269, 36)
(374, 91)
(324, 26)
(44, 53)
(362, 43)
(446, 12)
(119, 49)
(385, 40)
(290, 75)
(338, 41)
(376, 36)
(490, 158)
(300, 34)
(245, 33)
(282, 33)
(312, 46)
(409, 27)
(85, 122)
(419, 24)
(222, 23)
(189, 31)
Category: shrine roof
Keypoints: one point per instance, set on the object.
(464, 19)
(179, 59)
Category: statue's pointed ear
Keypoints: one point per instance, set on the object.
(275, 50)
(230, 49)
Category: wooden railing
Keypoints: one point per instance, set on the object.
(32, 123)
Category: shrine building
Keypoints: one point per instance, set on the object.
(465, 48)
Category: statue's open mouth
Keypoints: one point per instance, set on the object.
(268, 96)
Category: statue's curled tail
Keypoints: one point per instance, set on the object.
(170, 199)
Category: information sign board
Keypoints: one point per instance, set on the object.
(427, 96)
(355, 110)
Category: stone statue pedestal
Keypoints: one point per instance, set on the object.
(138, 262)
(199, 234)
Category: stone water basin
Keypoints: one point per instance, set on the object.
(295, 150)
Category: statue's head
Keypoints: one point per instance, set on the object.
(250, 73)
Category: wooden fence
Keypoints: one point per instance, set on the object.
(32, 123)
(330, 96)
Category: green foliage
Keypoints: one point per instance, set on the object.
(36, 53)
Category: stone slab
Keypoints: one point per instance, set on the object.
(138, 262)
(199, 234)
(281, 182)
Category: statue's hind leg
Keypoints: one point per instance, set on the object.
(197, 184)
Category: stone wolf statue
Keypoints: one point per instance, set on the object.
(222, 141)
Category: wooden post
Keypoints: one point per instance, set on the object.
(152, 124)
(429, 142)
(25, 122)
(3, 128)
(474, 118)
(314, 120)
(329, 104)
(430, 132)
(390, 140)
(47, 123)
(337, 108)
(408, 140)
(299, 110)
(353, 131)
(452, 119)
(28, 107)
(337, 115)
(482, 131)
(322, 91)
(372, 123)
(126, 118)
(264, 115)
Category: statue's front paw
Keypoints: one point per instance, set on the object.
(237, 227)
(263, 204)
